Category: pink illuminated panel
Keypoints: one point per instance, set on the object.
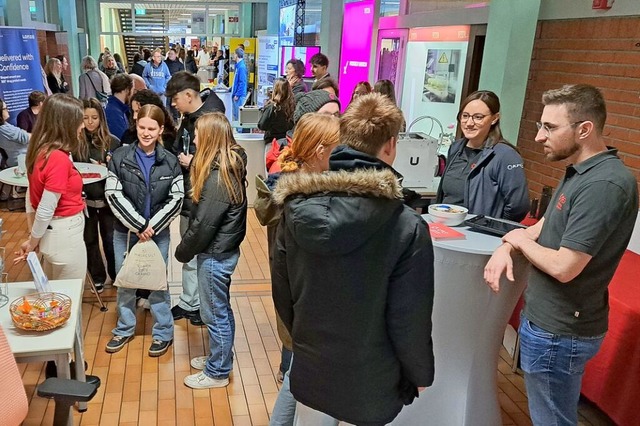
(355, 52)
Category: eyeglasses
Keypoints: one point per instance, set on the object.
(477, 118)
(549, 129)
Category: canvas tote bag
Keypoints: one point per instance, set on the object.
(143, 268)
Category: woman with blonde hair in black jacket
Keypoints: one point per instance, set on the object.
(217, 226)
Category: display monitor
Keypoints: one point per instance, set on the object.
(302, 53)
(287, 24)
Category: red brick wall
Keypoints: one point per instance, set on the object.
(604, 52)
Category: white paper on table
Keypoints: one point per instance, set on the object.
(39, 278)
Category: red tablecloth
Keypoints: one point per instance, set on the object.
(612, 377)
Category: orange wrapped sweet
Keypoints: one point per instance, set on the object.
(26, 306)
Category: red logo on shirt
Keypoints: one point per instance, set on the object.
(561, 200)
(473, 166)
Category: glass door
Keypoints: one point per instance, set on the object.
(391, 49)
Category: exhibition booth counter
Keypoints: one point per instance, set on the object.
(469, 320)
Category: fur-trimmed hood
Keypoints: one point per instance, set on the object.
(361, 182)
(337, 211)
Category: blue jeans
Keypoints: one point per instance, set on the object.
(284, 409)
(160, 300)
(307, 416)
(214, 280)
(553, 367)
(235, 110)
(190, 296)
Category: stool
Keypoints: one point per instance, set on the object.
(66, 393)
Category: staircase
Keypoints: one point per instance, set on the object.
(153, 21)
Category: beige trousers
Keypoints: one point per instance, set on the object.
(63, 250)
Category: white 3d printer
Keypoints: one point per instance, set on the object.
(417, 159)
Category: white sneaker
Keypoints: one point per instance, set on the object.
(202, 381)
(144, 303)
(199, 362)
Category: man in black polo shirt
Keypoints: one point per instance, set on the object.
(574, 250)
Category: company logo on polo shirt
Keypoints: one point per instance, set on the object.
(561, 200)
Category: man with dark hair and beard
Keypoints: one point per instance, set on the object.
(574, 249)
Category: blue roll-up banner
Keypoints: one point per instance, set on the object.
(20, 70)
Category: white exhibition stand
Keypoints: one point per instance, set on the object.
(253, 144)
(225, 97)
(468, 327)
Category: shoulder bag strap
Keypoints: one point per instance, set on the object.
(91, 80)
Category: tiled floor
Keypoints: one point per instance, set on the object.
(138, 390)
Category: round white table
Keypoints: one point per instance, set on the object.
(10, 177)
(469, 321)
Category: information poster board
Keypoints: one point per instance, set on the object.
(433, 79)
(267, 66)
(20, 70)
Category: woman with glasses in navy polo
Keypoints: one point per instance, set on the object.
(484, 172)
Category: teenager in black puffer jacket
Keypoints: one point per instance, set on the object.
(217, 226)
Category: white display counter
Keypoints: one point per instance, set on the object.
(225, 97)
(253, 144)
(468, 326)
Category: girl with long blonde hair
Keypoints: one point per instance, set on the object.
(217, 150)
(217, 226)
(55, 79)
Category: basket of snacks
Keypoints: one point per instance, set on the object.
(40, 311)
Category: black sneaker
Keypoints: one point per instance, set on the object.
(195, 318)
(116, 343)
(179, 313)
(159, 347)
(99, 287)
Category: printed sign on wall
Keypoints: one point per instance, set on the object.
(267, 66)
(20, 70)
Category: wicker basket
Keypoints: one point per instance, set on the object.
(40, 311)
